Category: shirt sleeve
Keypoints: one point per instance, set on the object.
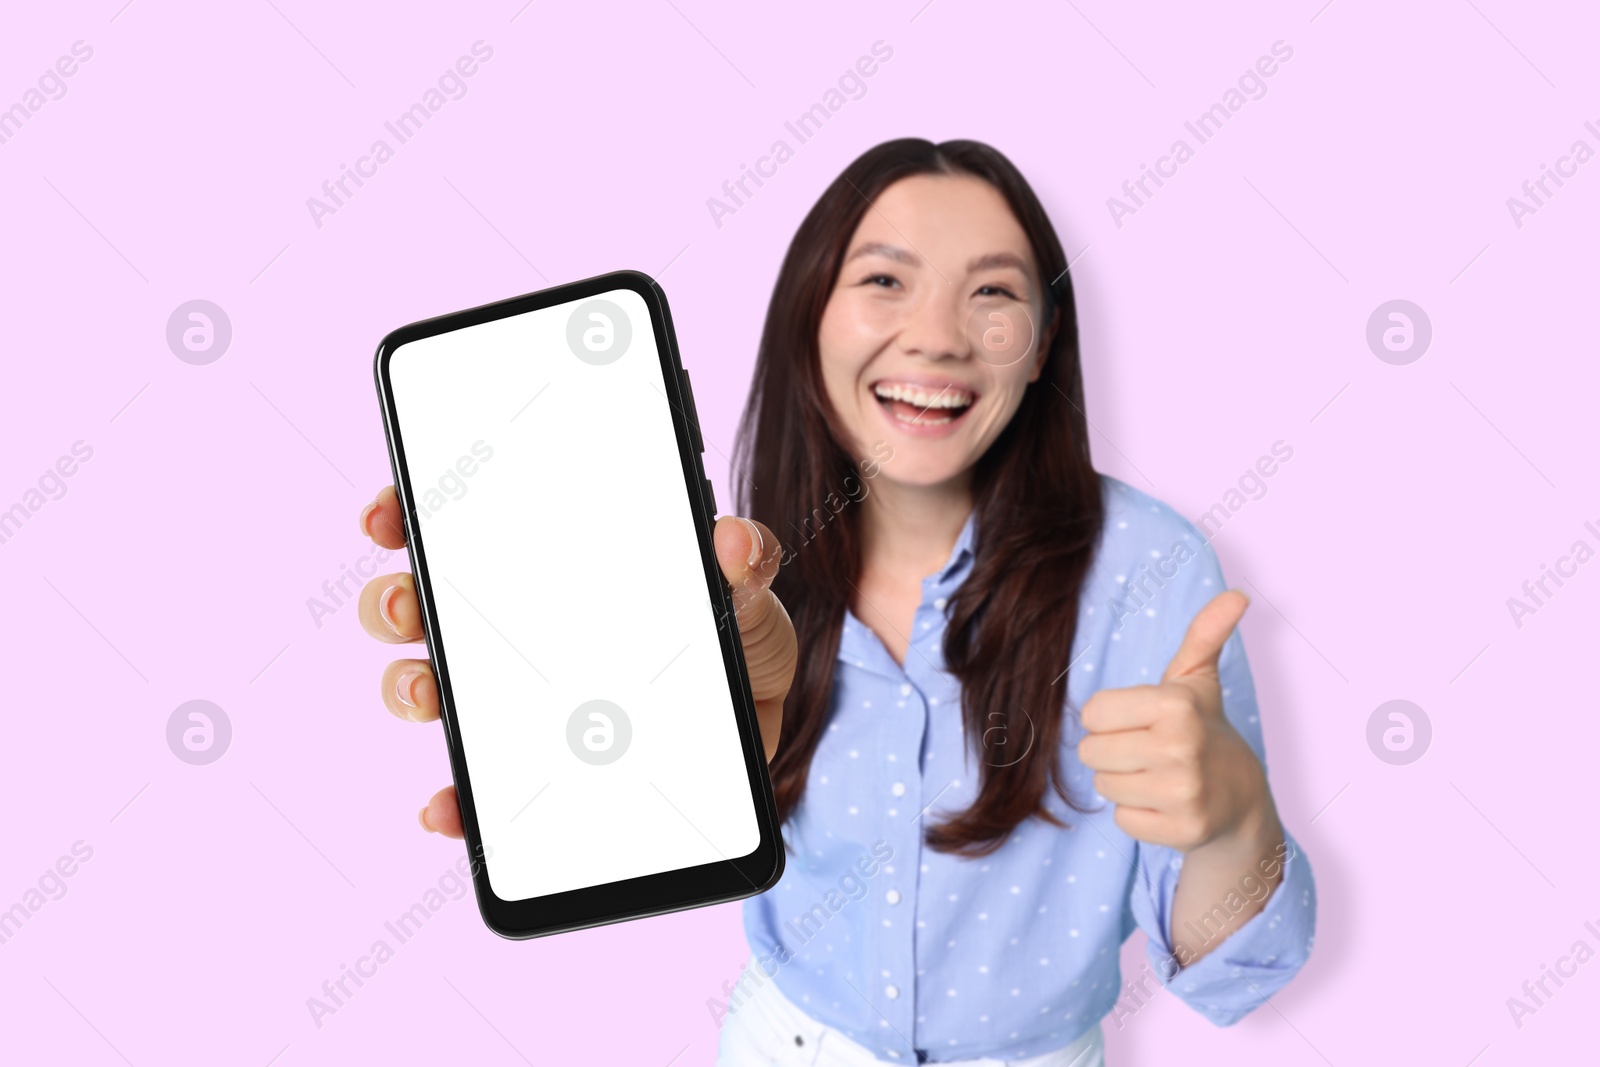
(1254, 960)
(1257, 958)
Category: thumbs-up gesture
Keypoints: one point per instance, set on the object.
(1166, 755)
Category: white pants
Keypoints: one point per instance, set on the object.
(769, 1029)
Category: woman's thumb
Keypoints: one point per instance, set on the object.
(749, 556)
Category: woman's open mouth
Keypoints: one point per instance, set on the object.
(922, 406)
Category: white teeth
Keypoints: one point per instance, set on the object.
(949, 397)
(920, 419)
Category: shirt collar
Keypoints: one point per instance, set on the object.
(961, 555)
(855, 644)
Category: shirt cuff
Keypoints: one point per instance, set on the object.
(1255, 960)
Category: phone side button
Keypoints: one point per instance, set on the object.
(693, 414)
(711, 496)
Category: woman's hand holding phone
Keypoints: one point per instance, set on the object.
(748, 553)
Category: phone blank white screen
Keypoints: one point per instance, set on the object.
(565, 569)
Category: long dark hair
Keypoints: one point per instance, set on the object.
(1038, 506)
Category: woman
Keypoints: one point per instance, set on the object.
(1020, 723)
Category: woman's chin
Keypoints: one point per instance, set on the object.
(906, 471)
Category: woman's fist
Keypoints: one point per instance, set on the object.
(1166, 755)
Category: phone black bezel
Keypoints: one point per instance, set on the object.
(634, 898)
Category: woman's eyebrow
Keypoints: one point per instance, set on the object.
(878, 248)
(999, 259)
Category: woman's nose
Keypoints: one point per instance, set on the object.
(936, 328)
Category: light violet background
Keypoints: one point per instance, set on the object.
(1227, 314)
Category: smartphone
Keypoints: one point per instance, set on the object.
(602, 735)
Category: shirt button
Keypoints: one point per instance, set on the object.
(892, 896)
(940, 603)
(892, 992)
(898, 789)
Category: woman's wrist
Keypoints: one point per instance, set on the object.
(1257, 837)
(1231, 875)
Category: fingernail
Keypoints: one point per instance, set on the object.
(422, 819)
(758, 546)
(366, 513)
(405, 689)
(386, 608)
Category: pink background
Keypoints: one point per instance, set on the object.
(1223, 316)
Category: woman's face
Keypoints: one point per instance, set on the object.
(932, 331)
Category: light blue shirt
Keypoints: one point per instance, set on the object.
(924, 956)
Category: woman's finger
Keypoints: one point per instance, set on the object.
(381, 520)
(1133, 708)
(442, 814)
(410, 691)
(1123, 751)
(389, 609)
(749, 556)
(1139, 789)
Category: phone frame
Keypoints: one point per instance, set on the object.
(655, 894)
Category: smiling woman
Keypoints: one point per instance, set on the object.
(889, 290)
(880, 314)
(935, 670)
(925, 302)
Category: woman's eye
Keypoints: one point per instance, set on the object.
(883, 280)
(996, 290)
